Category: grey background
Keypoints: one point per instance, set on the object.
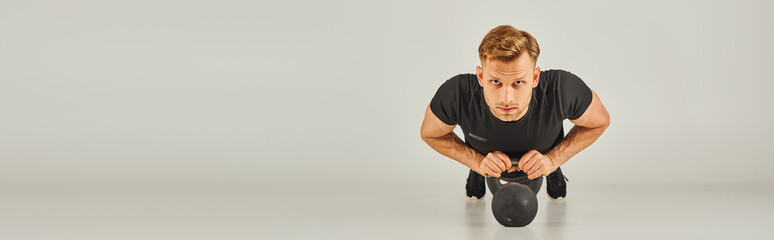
(266, 98)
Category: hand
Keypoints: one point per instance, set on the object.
(535, 164)
(494, 164)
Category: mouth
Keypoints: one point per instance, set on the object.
(506, 110)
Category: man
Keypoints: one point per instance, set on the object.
(512, 109)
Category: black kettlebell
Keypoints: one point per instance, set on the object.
(514, 204)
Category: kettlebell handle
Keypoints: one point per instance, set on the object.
(514, 161)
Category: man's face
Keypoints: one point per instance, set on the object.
(508, 86)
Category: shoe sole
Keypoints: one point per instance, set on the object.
(555, 199)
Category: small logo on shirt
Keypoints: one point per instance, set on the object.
(477, 137)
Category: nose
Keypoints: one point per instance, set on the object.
(509, 96)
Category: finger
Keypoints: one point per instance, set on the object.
(529, 165)
(512, 169)
(493, 172)
(505, 158)
(492, 163)
(531, 170)
(537, 171)
(540, 171)
(540, 162)
(493, 169)
(536, 162)
(524, 158)
(488, 165)
(533, 176)
(499, 162)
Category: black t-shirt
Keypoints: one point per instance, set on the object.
(559, 95)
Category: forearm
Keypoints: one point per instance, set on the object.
(576, 140)
(452, 146)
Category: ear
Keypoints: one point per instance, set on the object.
(480, 75)
(536, 77)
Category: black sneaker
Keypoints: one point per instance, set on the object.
(556, 184)
(475, 187)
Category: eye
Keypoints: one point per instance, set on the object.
(519, 82)
(495, 82)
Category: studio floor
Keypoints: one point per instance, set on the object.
(382, 211)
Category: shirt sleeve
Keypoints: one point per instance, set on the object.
(574, 96)
(446, 102)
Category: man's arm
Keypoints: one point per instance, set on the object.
(587, 129)
(442, 138)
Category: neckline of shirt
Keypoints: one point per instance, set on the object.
(492, 116)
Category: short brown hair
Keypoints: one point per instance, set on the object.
(504, 43)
